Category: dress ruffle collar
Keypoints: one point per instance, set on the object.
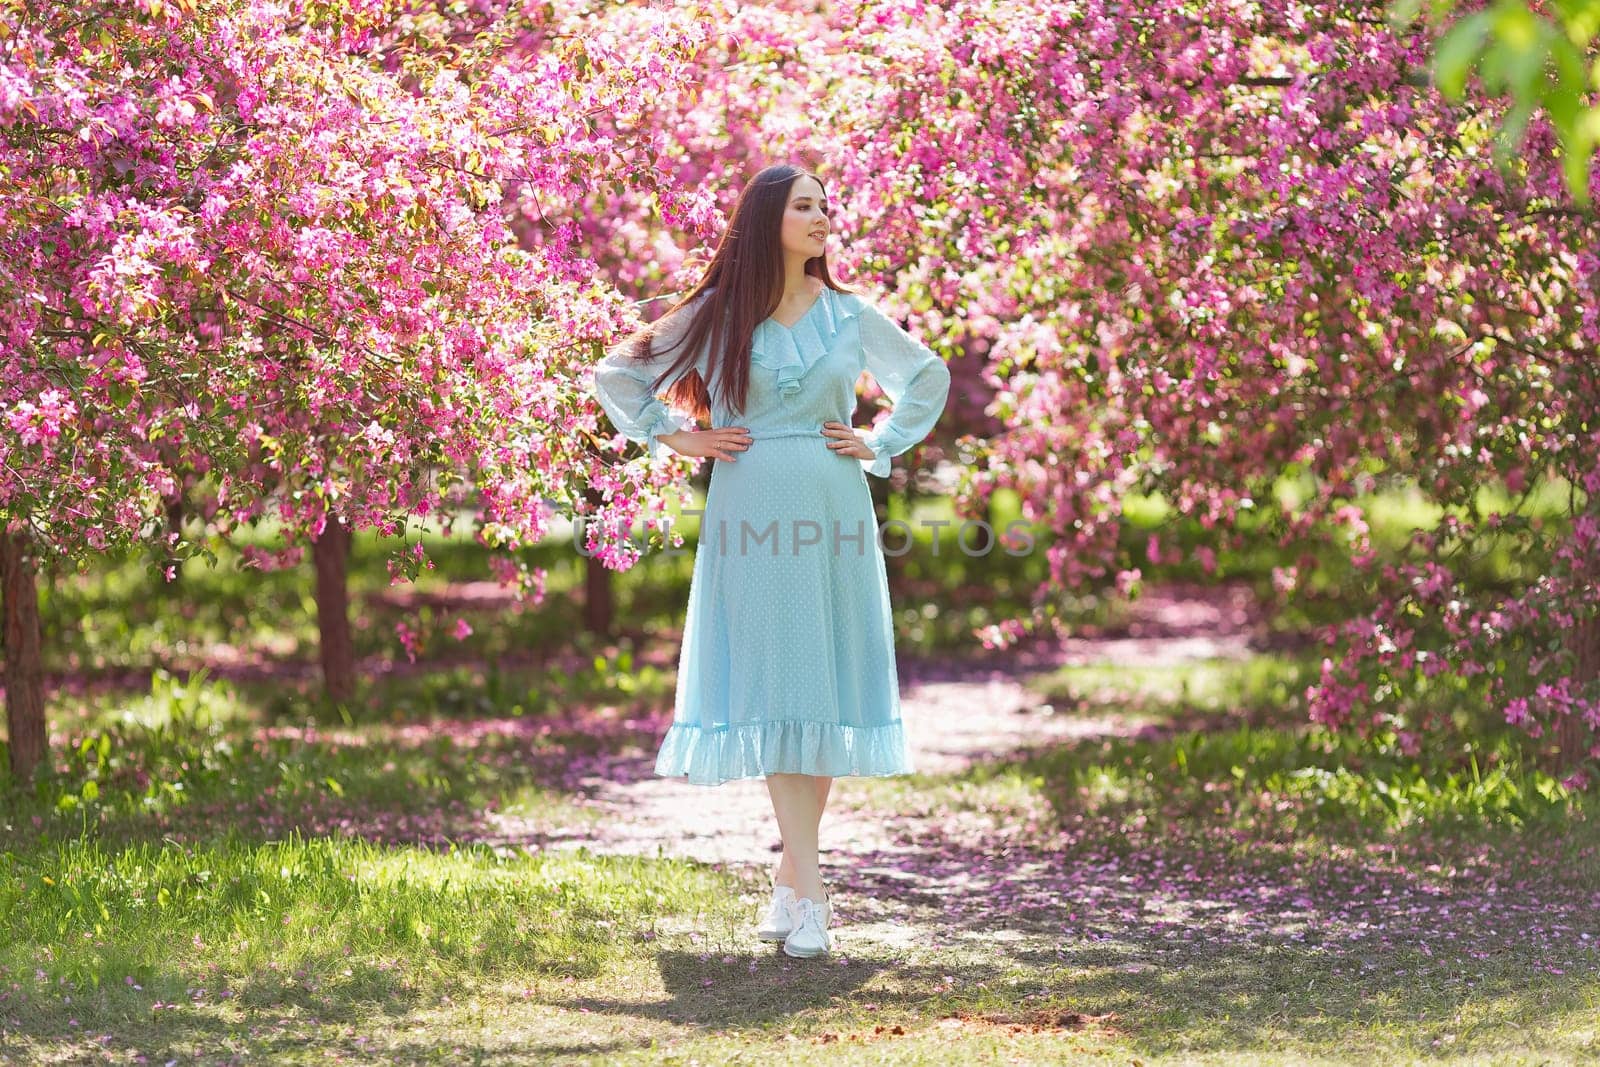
(792, 351)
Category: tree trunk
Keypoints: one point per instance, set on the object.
(175, 526)
(24, 673)
(598, 610)
(1572, 733)
(331, 554)
(599, 607)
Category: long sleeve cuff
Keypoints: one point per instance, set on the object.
(879, 464)
(667, 422)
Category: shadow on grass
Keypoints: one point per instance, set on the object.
(741, 989)
(455, 755)
(276, 1013)
(1205, 941)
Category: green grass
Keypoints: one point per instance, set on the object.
(1229, 742)
(123, 614)
(1175, 692)
(221, 871)
(194, 754)
(218, 911)
(588, 671)
(177, 949)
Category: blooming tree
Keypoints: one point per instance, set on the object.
(1540, 56)
(261, 246)
(1208, 250)
(340, 259)
(1256, 244)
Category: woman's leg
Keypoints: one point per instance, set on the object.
(785, 872)
(796, 800)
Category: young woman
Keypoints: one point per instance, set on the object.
(787, 669)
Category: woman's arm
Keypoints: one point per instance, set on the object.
(622, 385)
(912, 376)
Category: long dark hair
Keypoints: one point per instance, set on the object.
(743, 286)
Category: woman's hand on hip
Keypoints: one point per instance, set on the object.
(719, 442)
(846, 442)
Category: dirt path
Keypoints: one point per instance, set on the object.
(956, 714)
(951, 723)
(958, 887)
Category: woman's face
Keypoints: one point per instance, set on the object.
(805, 220)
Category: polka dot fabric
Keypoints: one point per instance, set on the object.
(788, 660)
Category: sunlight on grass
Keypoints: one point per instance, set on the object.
(1284, 765)
(1189, 755)
(171, 700)
(337, 925)
(1267, 680)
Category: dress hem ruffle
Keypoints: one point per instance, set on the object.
(713, 755)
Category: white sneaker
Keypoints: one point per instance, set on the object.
(810, 934)
(778, 922)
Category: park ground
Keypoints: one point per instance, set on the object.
(1131, 847)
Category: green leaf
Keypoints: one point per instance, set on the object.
(1517, 28)
(1576, 146)
(1510, 136)
(1403, 13)
(1589, 123)
(1568, 62)
(1457, 50)
(1571, 119)
(1518, 61)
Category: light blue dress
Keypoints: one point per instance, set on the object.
(788, 659)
